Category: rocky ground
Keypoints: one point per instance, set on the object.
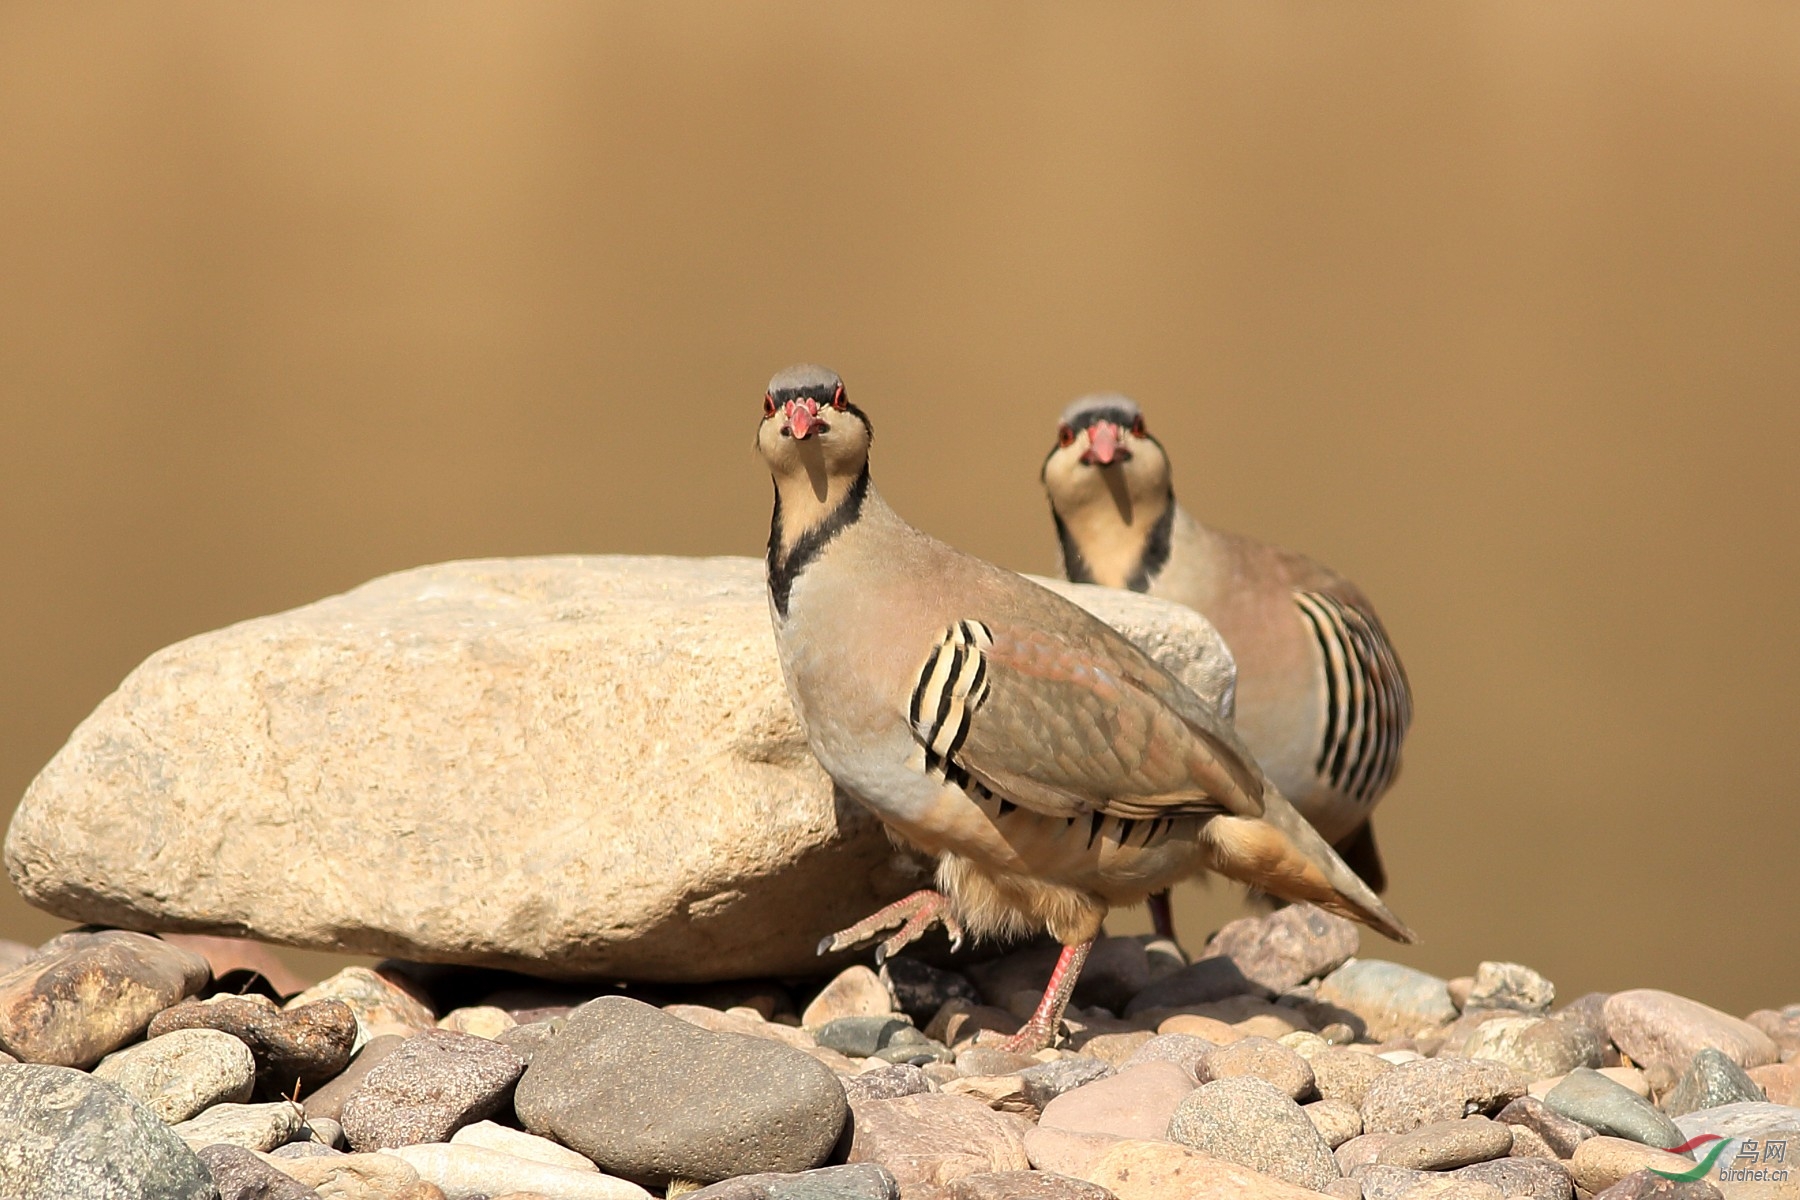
(1275, 1066)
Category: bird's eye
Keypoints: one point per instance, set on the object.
(768, 406)
(840, 401)
(1137, 426)
(1065, 436)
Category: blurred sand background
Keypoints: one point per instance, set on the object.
(1495, 306)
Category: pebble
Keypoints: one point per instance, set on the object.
(1399, 1183)
(240, 1175)
(325, 1130)
(1247, 1121)
(1511, 986)
(1336, 1121)
(478, 1020)
(859, 1181)
(463, 1172)
(1782, 1027)
(1521, 1178)
(1287, 947)
(652, 1097)
(1600, 1162)
(1144, 1170)
(886, 1083)
(1437, 1089)
(252, 1126)
(87, 994)
(378, 999)
(1659, 1027)
(1559, 1133)
(855, 992)
(745, 1021)
(1611, 1109)
(302, 1045)
(1114, 1049)
(1204, 981)
(1647, 1185)
(305, 1150)
(1133, 1104)
(1391, 1000)
(328, 1101)
(1209, 1029)
(1066, 1152)
(1362, 1151)
(181, 1074)
(920, 989)
(1002, 1093)
(1343, 1074)
(986, 1060)
(1738, 1120)
(1528, 1143)
(1025, 1185)
(1710, 1081)
(1445, 1145)
(428, 1088)
(1263, 1059)
(69, 1136)
(489, 1136)
(1536, 1047)
(930, 1140)
(1780, 1082)
(861, 1037)
(1046, 1081)
(1182, 1049)
(959, 1021)
(350, 1176)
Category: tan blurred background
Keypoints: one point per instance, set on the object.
(1494, 305)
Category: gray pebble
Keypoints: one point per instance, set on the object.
(1711, 1080)
(1249, 1122)
(1560, 1133)
(252, 1126)
(69, 1136)
(240, 1175)
(885, 1083)
(1444, 1145)
(1047, 1081)
(179, 1075)
(1612, 1109)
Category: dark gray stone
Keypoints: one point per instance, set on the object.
(858, 1181)
(1522, 1178)
(86, 994)
(240, 1175)
(295, 1047)
(1437, 1089)
(1247, 1121)
(1560, 1133)
(65, 1135)
(1287, 947)
(886, 1083)
(1047, 1081)
(1202, 982)
(1711, 1080)
(920, 989)
(861, 1037)
(651, 1097)
(433, 1085)
(1612, 1109)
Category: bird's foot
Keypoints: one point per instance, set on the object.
(915, 914)
(1046, 1021)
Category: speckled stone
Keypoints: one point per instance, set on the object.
(1647, 1185)
(1287, 947)
(886, 1083)
(1343, 1074)
(1558, 1132)
(1025, 1185)
(1659, 1027)
(1510, 986)
(69, 1136)
(432, 1085)
(1444, 1089)
(87, 994)
(1263, 1059)
(1537, 1047)
(1711, 1080)
(1336, 1121)
(181, 1074)
(1445, 1145)
(1249, 1122)
(1392, 1000)
(931, 1140)
(240, 1175)
(1135, 1104)
(857, 1181)
(300, 1046)
(1522, 1178)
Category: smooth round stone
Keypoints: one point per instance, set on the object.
(1437, 1089)
(1600, 1162)
(1392, 1000)
(1336, 1121)
(886, 1083)
(1046, 1081)
(1612, 1109)
(1135, 1104)
(84, 995)
(181, 1074)
(1362, 1151)
(463, 1170)
(1536, 1047)
(1182, 1049)
(931, 1140)
(651, 1097)
(1659, 1027)
(240, 1175)
(1739, 1120)
(985, 1060)
(855, 992)
(1116, 1047)
(1287, 947)
(352, 1176)
(1340, 1073)
(69, 1136)
(863, 1036)
(1262, 1059)
(479, 1020)
(301, 1046)
(1710, 1081)
(1401, 1183)
(489, 1136)
(1648, 1185)
(1522, 1178)
(1444, 1145)
(1249, 1122)
(260, 1127)
(428, 1088)
(378, 999)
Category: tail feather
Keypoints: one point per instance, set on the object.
(1280, 853)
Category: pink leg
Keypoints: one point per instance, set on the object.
(1041, 1030)
(914, 915)
(1161, 918)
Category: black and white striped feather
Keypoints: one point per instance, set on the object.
(1368, 703)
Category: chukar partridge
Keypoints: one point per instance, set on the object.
(1050, 767)
(1322, 701)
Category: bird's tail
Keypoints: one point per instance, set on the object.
(1281, 854)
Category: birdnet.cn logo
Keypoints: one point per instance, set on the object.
(1756, 1161)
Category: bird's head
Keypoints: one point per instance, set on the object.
(1104, 454)
(809, 427)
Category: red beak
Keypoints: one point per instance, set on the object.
(1103, 445)
(803, 418)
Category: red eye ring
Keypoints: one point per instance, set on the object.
(1137, 426)
(1065, 436)
(840, 401)
(768, 406)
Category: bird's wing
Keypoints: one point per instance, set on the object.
(1067, 727)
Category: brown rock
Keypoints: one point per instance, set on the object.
(1443, 1089)
(328, 1101)
(350, 1176)
(959, 1021)
(1132, 1104)
(855, 992)
(1647, 1185)
(1002, 1093)
(378, 998)
(1194, 1025)
(1362, 1151)
(1065, 1151)
(1600, 1162)
(227, 954)
(298, 1046)
(91, 994)
(1779, 1081)
(1287, 947)
(1445, 1145)
(1523, 1179)
(744, 1022)
(428, 1088)
(1142, 1170)
(1336, 1121)
(1783, 1028)
(1528, 1143)
(1114, 1048)
(1025, 1185)
(930, 1140)
(1266, 1060)
(1659, 1027)
(1184, 1050)
(1344, 1074)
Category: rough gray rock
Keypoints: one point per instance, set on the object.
(181, 1074)
(1437, 1089)
(1522, 1178)
(1025, 1185)
(1249, 1122)
(240, 1175)
(856, 1181)
(86, 994)
(1537, 1047)
(1558, 1132)
(1268, 1061)
(1710, 1081)
(1287, 947)
(886, 1083)
(1509, 985)
(65, 1135)
(1392, 1000)
(652, 1097)
(330, 777)
(427, 1089)
(1047, 1081)
(253, 1126)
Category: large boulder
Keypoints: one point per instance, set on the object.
(569, 766)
